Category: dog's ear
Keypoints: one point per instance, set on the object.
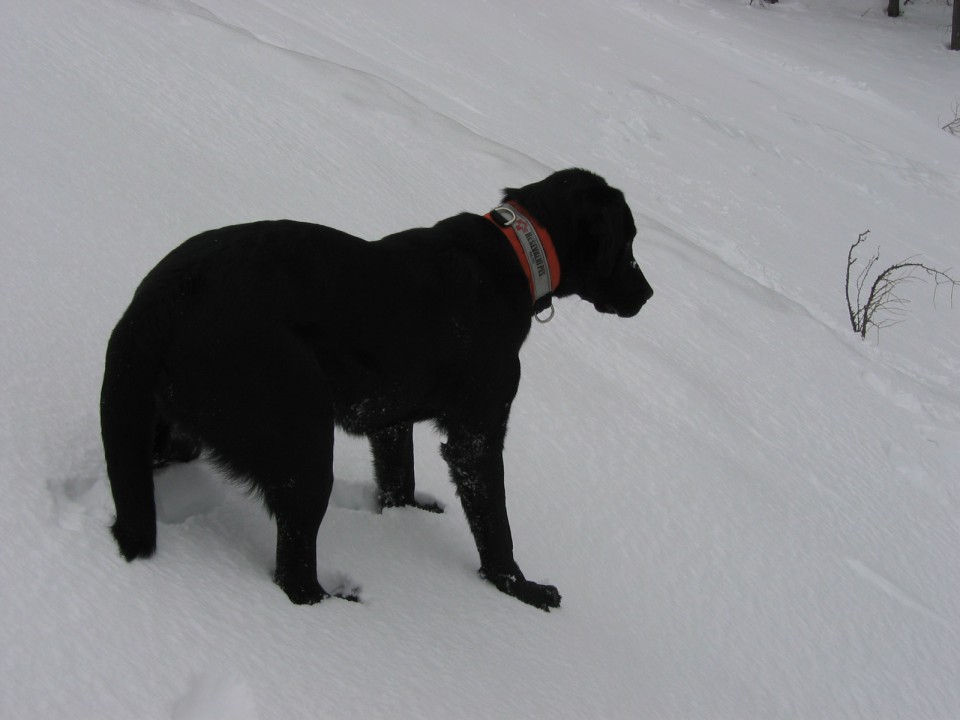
(608, 227)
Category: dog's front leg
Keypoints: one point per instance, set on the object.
(475, 459)
(393, 468)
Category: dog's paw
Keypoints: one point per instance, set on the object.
(134, 542)
(515, 585)
(301, 596)
(305, 592)
(431, 506)
(302, 593)
(540, 596)
(425, 502)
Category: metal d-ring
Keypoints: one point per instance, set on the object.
(548, 318)
(505, 209)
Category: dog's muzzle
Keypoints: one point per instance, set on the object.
(631, 292)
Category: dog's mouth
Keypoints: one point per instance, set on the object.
(608, 309)
(627, 299)
(624, 311)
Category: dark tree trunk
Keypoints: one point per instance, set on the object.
(955, 32)
(893, 9)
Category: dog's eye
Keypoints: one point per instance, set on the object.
(633, 264)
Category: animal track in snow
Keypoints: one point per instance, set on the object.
(72, 498)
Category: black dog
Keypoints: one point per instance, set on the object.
(253, 341)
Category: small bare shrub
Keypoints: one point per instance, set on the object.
(883, 305)
(953, 127)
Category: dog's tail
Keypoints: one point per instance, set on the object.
(128, 417)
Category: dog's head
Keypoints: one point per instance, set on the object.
(593, 230)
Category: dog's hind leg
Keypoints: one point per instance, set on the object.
(262, 408)
(298, 500)
(393, 468)
(290, 465)
(291, 468)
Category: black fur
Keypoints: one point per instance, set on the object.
(253, 341)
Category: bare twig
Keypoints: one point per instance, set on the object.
(856, 314)
(884, 295)
(953, 127)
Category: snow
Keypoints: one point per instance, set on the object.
(750, 512)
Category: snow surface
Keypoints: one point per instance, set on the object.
(750, 512)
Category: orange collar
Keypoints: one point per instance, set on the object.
(534, 248)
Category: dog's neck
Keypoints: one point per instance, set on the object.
(534, 248)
